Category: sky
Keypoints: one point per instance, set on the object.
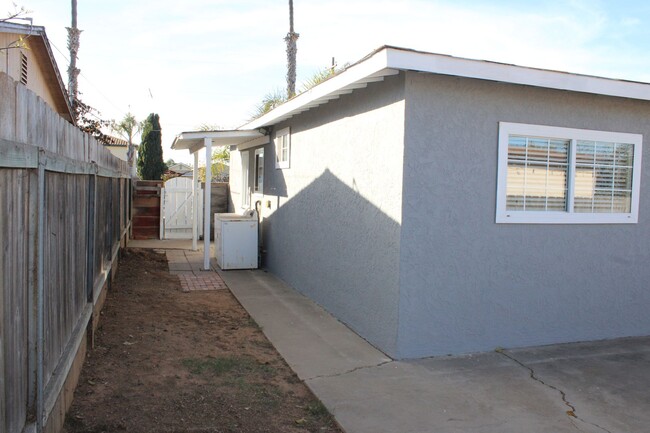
(197, 62)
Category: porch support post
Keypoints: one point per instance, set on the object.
(206, 203)
(195, 202)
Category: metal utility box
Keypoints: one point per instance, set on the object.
(235, 240)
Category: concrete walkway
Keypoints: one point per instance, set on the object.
(585, 387)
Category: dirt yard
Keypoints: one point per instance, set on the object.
(168, 361)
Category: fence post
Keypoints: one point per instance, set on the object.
(90, 235)
(40, 302)
(130, 206)
(109, 223)
(32, 284)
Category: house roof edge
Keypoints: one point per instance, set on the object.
(389, 59)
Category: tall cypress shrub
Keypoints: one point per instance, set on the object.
(150, 155)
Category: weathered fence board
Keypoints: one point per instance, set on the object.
(14, 188)
(85, 214)
(65, 264)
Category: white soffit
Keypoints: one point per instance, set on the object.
(391, 60)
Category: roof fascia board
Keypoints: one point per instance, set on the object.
(390, 60)
(236, 133)
(447, 65)
(21, 29)
(57, 74)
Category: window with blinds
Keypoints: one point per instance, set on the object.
(563, 175)
(603, 177)
(537, 174)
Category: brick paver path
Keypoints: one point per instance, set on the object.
(188, 265)
(209, 281)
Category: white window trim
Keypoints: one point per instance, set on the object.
(282, 164)
(568, 217)
(260, 185)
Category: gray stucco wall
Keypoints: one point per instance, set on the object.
(332, 220)
(469, 284)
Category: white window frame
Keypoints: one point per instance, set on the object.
(245, 176)
(258, 184)
(507, 129)
(282, 136)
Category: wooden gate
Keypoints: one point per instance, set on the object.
(177, 209)
(146, 209)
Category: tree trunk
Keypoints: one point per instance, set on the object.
(73, 46)
(292, 50)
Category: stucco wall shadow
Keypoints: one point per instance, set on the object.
(341, 250)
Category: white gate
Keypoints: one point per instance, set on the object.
(177, 210)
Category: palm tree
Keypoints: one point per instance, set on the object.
(269, 102)
(73, 46)
(127, 128)
(292, 49)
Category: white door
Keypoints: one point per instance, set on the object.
(177, 209)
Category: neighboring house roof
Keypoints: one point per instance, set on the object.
(389, 60)
(180, 167)
(117, 142)
(40, 46)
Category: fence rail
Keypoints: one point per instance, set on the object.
(64, 212)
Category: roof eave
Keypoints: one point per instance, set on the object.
(389, 60)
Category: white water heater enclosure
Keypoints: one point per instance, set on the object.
(235, 240)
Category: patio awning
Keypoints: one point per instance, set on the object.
(195, 140)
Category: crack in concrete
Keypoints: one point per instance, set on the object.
(363, 367)
(572, 412)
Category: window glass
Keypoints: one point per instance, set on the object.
(605, 181)
(259, 171)
(537, 174)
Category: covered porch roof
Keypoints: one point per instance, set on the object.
(196, 140)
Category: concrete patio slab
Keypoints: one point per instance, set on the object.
(586, 387)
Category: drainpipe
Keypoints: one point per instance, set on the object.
(40, 303)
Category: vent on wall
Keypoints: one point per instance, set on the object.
(23, 68)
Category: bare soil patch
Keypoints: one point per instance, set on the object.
(168, 361)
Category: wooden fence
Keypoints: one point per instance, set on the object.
(64, 213)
